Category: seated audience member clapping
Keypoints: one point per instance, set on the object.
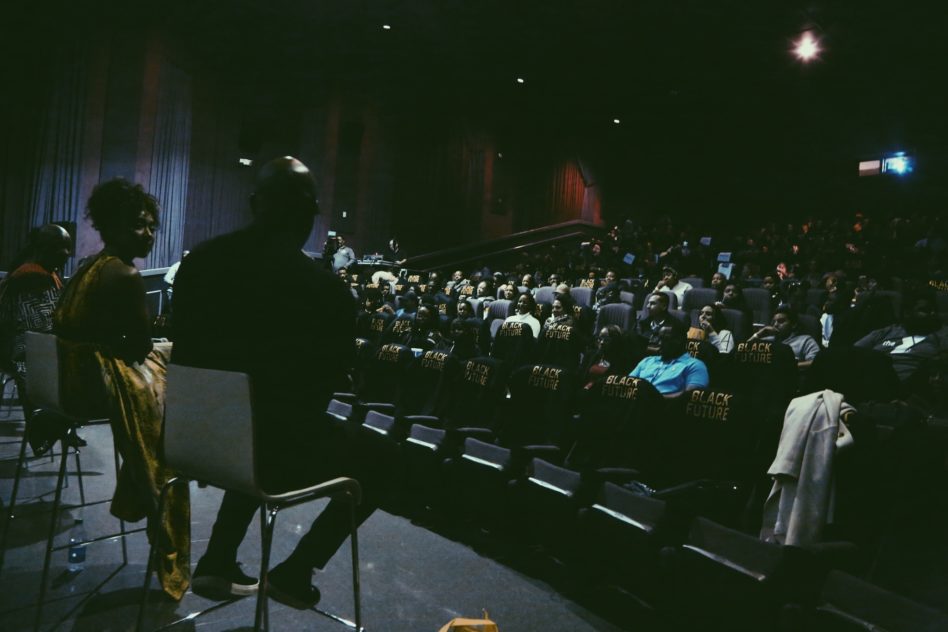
(526, 306)
(783, 329)
(673, 371)
(711, 327)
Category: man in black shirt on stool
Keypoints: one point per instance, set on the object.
(251, 301)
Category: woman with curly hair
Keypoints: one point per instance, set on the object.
(103, 320)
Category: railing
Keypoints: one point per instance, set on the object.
(461, 256)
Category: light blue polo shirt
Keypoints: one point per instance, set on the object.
(681, 374)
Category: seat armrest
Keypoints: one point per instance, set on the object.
(425, 420)
(617, 475)
(348, 398)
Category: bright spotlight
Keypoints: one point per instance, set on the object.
(807, 47)
(386, 27)
(519, 79)
(899, 164)
(616, 121)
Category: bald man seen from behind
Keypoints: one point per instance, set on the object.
(251, 301)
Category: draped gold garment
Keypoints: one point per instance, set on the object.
(134, 397)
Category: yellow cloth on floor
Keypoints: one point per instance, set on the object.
(133, 397)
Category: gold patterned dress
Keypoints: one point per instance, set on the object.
(99, 377)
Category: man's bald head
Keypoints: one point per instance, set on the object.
(285, 197)
(52, 245)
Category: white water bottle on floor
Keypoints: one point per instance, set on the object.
(77, 548)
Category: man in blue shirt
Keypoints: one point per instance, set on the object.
(673, 371)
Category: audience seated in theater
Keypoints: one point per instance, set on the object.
(510, 292)
(712, 327)
(104, 317)
(425, 331)
(732, 297)
(865, 312)
(462, 339)
(610, 356)
(608, 293)
(783, 329)
(28, 298)
(409, 305)
(657, 317)
(718, 281)
(671, 283)
(526, 307)
(917, 341)
(457, 282)
(673, 371)
(290, 326)
(561, 312)
(770, 284)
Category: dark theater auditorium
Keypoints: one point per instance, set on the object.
(474, 316)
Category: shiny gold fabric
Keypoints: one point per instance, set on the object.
(135, 395)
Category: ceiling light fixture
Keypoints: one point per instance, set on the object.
(807, 47)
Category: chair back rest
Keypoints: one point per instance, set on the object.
(698, 297)
(627, 297)
(560, 345)
(694, 282)
(500, 308)
(545, 295)
(581, 295)
(42, 370)
(759, 301)
(615, 314)
(810, 325)
(209, 428)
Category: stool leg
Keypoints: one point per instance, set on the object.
(356, 583)
(267, 520)
(16, 489)
(152, 551)
(82, 489)
(118, 467)
(52, 534)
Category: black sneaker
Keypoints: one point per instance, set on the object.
(222, 582)
(292, 587)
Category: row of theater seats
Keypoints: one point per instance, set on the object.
(380, 365)
(620, 485)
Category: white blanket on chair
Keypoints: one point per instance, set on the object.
(799, 504)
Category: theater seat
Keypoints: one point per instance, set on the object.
(849, 604)
(513, 345)
(722, 579)
(559, 345)
(619, 535)
(698, 297)
(759, 302)
(618, 314)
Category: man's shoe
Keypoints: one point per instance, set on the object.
(222, 582)
(292, 587)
